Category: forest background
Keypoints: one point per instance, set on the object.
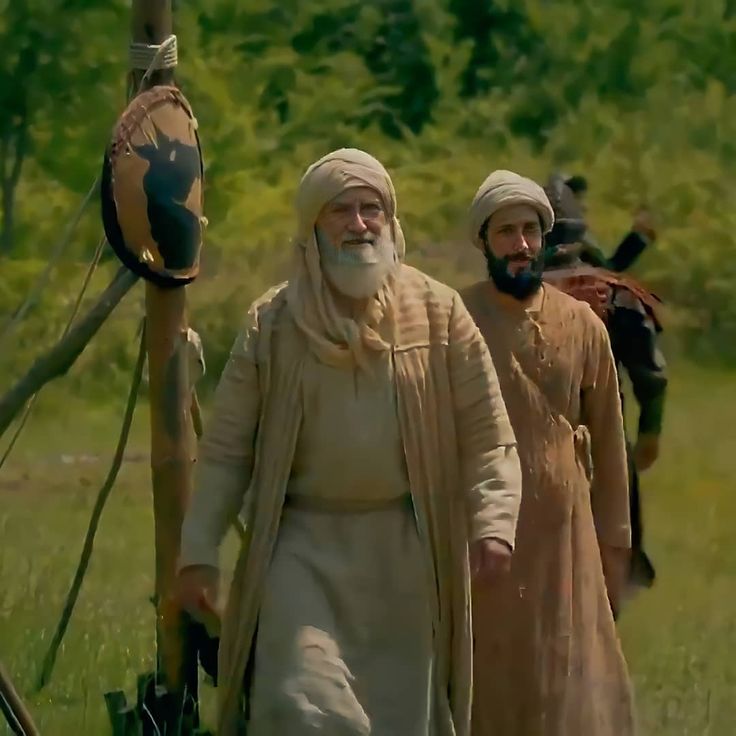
(638, 97)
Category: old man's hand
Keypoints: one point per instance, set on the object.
(490, 560)
(198, 593)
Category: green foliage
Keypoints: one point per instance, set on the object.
(103, 369)
(638, 98)
(56, 65)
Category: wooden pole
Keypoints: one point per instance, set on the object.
(172, 445)
(171, 460)
(13, 708)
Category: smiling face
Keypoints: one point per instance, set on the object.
(352, 224)
(513, 249)
(515, 233)
(355, 241)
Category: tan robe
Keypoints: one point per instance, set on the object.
(548, 661)
(461, 464)
(344, 642)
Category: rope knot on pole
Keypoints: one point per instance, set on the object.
(151, 57)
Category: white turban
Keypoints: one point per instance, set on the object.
(335, 339)
(503, 189)
(329, 177)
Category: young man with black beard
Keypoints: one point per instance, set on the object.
(548, 660)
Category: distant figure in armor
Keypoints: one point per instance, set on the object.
(630, 314)
(641, 235)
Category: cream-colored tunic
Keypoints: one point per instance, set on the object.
(349, 446)
(461, 462)
(344, 642)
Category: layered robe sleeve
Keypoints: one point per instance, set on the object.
(225, 454)
(601, 408)
(489, 462)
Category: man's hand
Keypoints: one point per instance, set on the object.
(490, 560)
(198, 593)
(646, 451)
(644, 224)
(616, 562)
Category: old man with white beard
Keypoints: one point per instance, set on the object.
(359, 431)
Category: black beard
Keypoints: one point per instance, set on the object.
(520, 285)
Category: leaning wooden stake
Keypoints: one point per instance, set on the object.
(71, 599)
(13, 708)
(57, 361)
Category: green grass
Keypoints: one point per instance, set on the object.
(679, 637)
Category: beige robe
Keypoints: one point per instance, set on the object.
(461, 465)
(548, 661)
(344, 643)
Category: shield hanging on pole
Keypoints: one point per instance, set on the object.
(152, 188)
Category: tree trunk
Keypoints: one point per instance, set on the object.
(12, 156)
(6, 200)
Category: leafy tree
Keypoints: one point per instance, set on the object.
(53, 66)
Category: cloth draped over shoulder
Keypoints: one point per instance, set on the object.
(338, 340)
(502, 189)
(458, 444)
(461, 461)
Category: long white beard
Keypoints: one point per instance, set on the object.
(358, 270)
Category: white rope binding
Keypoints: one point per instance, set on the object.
(150, 57)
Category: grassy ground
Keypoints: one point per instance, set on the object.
(679, 638)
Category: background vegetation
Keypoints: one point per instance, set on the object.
(637, 96)
(678, 638)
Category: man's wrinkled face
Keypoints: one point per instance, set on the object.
(513, 249)
(352, 223)
(355, 242)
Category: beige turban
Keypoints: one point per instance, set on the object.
(504, 188)
(336, 339)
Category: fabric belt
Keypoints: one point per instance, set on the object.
(345, 505)
(582, 443)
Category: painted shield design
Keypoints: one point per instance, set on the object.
(152, 182)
